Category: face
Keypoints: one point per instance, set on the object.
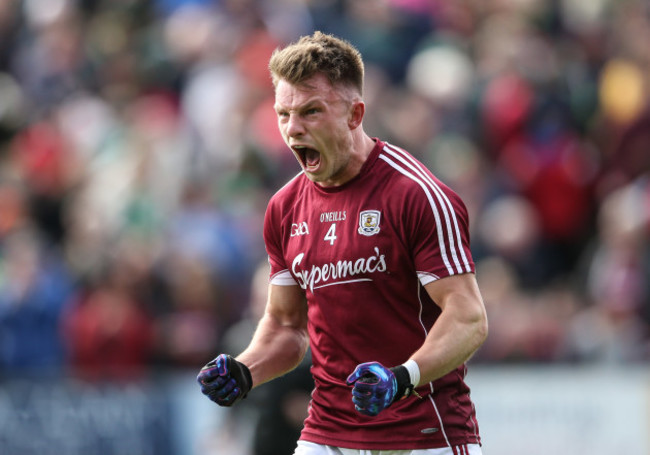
(317, 122)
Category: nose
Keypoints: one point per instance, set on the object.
(294, 126)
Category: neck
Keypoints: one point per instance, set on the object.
(360, 147)
(363, 146)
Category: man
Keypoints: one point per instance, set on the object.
(371, 267)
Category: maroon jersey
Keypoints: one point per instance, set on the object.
(362, 253)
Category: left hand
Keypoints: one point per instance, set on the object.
(375, 388)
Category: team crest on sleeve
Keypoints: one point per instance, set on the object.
(369, 222)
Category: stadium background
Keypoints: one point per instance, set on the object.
(138, 149)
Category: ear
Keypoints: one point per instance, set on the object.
(357, 111)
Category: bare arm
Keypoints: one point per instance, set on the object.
(459, 331)
(280, 341)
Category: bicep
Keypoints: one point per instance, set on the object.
(458, 293)
(287, 305)
(458, 332)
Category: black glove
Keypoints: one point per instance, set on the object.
(225, 380)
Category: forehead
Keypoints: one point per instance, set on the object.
(316, 88)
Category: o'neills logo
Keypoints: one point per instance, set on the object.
(336, 273)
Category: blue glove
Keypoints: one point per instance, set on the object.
(377, 387)
(224, 380)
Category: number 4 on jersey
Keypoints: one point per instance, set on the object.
(331, 234)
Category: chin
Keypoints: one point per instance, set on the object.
(312, 177)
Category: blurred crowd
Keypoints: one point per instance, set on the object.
(138, 150)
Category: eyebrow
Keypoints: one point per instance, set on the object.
(307, 105)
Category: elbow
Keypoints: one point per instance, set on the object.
(300, 346)
(481, 328)
(477, 326)
(483, 331)
(303, 343)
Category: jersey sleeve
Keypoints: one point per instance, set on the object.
(279, 274)
(439, 231)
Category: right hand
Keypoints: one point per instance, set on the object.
(375, 387)
(225, 380)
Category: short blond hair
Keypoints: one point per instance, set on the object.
(319, 53)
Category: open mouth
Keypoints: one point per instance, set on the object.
(309, 157)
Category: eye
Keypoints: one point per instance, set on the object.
(312, 111)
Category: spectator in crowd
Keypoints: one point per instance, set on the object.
(108, 329)
(34, 290)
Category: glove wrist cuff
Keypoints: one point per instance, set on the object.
(404, 386)
(248, 377)
(414, 371)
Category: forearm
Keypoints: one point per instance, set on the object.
(455, 336)
(275, 349)
(459, 331)
(450, 343)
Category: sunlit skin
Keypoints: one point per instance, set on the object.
(322, 124)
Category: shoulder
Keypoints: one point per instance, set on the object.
(402, 166)
(281, 206)
(407, 173)
(413, 186)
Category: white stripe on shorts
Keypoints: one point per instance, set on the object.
(310, 448)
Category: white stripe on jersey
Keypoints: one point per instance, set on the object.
(430, 396)
(441, 240)
(435, 408)
(443, 202)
